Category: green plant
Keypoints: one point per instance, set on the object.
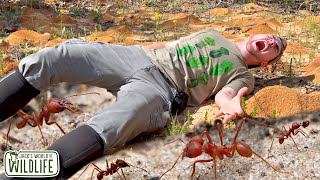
(254, 112)
(243, 104)
(1, 63)
(177, 128)
(28, 52)
(290, 72)
(158, 33)
(76, 11)
(33, 3)
(121, 37)
(12, 16)
(175, 36)
(273, 115)
(206, 118)
(312, 55)
(54, 36)
(68, 33)
(96, 16)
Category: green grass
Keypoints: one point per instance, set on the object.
(1, 63)
(179, 128)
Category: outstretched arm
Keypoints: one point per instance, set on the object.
(229, 102)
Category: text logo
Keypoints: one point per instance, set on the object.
(31, 163)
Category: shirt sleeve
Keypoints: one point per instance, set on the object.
(245, 80)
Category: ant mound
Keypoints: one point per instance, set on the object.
(313, 70)
(263, 28)
(23, 36)
(281, 101)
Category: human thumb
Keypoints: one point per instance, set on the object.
(242, 92)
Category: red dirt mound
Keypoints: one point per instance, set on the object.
(283, 100)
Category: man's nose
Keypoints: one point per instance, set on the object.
(272, 42)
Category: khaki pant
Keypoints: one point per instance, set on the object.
(143, 95)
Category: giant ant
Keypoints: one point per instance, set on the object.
(197, 146)
(114, 167)
(293, 130)
(51, 106)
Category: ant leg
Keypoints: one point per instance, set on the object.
(84, 171)
(45, 143)
(138, 168)
(215, 167)
(208, 136)
(198, 161)
(269, 150)
(107, 164)
(237, 133)
(60, 128)
(95, 168)
(300, 131)
(172, 166)
(268, 163)
(7, 141)
(220, 133)
(289, 135)
(122, 173)
(256, 122)
(49, 122)
(179, 139)
(119, 174)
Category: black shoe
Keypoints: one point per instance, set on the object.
(77, 149)
(15, 93)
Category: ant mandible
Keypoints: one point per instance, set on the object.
(51, 106)
(293, 130)
(198, 145)
(114, 167)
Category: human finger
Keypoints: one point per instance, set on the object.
(220, 113)
(242, 92)
(239, 112)
(226, 119)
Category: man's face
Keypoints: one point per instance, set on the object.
(264, 47)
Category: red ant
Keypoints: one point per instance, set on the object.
(114, 167)
(197, 146)
(293, 130)
(52, 106)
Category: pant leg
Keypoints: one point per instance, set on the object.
(78, 62)
(142, 106)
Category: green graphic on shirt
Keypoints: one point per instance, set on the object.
(203, 78)
(219, 69)
(207, 41)
(195, 62)
(219, 52)
(186, 50)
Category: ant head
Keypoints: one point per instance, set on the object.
(192, 149)
(122, 163)
(55, 105)
(100, 175)
(305, 123)
(296, 125)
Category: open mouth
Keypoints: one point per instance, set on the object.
(260, 45)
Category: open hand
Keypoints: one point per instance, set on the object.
(232, 108)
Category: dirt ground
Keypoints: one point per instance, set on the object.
(286, 93)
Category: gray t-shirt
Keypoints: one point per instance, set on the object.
(202, 64)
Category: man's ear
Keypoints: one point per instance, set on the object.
(263, 64)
